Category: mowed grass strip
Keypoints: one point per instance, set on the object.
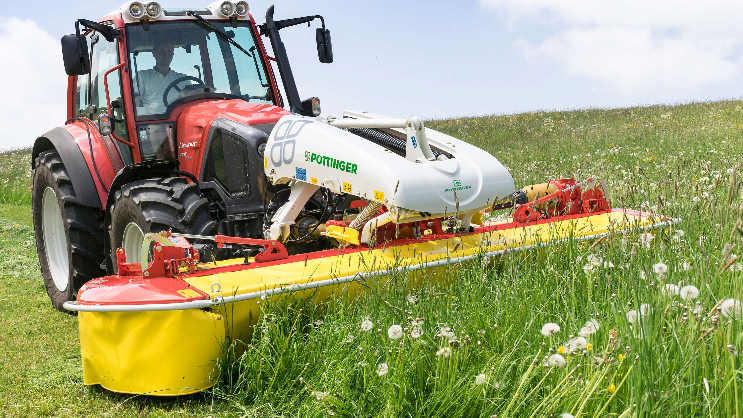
(472, 345)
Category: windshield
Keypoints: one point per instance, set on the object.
(174, 62)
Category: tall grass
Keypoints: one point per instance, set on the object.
(15, 177)
(481, 352)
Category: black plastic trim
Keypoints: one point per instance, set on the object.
(72, 157)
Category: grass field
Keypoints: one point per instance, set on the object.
(473, 346)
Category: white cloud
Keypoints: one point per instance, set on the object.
(34, 83)
(634, 47)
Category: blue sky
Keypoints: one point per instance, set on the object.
(438, 59)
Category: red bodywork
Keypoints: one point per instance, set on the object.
(193, 121)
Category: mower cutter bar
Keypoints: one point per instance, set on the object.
(221, 300)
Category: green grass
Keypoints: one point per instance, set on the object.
(314, 360)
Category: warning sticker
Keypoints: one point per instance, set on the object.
(347, 187)
(301, 173)
(314, 180)
(379, 195)
(188, 293)
(265, 163)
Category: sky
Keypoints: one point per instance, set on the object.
(435, 59)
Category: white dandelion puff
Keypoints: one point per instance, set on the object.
(686, 266)
(555, 360)
(588, 268)
(480, 379)
(416, 331)
(382, 369)
(366, 325)
(731, 308)
(644, 309)
(689, 292)
(632, 316)
(646, 238)
(594, 260)
(566, 415)
(549, 329)
(590, 328)
(446, 332)
(319, 395)
(395, 332)
(660, 268)
(444, 352)
(699, 309)
(670, 290)
(412, 299)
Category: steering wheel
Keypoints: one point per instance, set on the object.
(174, 85)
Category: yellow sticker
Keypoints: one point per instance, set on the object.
(347, 187)
(314, 180)
(265, 163)
(188, 293)
(379, 195)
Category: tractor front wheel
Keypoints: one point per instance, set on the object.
(69, 236)
(154, 205)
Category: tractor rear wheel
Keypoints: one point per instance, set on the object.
(154, 205)
(69, 236)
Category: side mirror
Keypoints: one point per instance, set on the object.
(75, 54)
(324, 45)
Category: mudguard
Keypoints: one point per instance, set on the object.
(80, 176)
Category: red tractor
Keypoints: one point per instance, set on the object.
(168, 114)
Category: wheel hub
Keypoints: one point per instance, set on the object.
(132, 241)
(55, 240)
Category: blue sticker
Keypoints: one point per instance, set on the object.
(415, 143)
(301, 174)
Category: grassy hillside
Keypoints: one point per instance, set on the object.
(648, 350)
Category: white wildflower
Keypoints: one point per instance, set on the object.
(416, 331)
(555, 360)
(588, 268)
(731, 308)
(686, 266)
(643, 276)
(566, 415)
(319, 395)
(395, 332)
(366, 325)
(632, 316)
(644, 309)
(549, 329)
(646, 238)
(660, 268)
(695, 199)
(480, 379)
(576, 344)
(590, 328)
(446, 332)
(412, 299)
(608, 264)
(670, 289)
(699, 309)
(382, 369)
(594, 260)
(689, 292)
(677, 235)
(444, 351)
(736, 267)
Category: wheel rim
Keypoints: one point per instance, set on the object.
(55, 240)
(131, 242)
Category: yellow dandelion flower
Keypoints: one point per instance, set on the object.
(589, 347)
(621, 357)
(561, 350)
(612, 388)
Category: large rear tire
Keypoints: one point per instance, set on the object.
(154, 205)
(69, 235)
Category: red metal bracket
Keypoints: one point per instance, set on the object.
(272, 250)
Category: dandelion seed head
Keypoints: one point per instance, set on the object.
(670, 290)
(632, 316)
(555, 360)
(660, 268)
(382, 369)
(366, 325)
(444, 352)
(395, 332)
(689, 292)
(731, 308)
(480, 379)
(412, 299)
(416, 332)
(549, 329)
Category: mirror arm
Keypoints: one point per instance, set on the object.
(108, 32)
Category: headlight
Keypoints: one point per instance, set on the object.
(223, 9)
(227, 8)
(136, 10)
(242, 8)
(153, 10)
